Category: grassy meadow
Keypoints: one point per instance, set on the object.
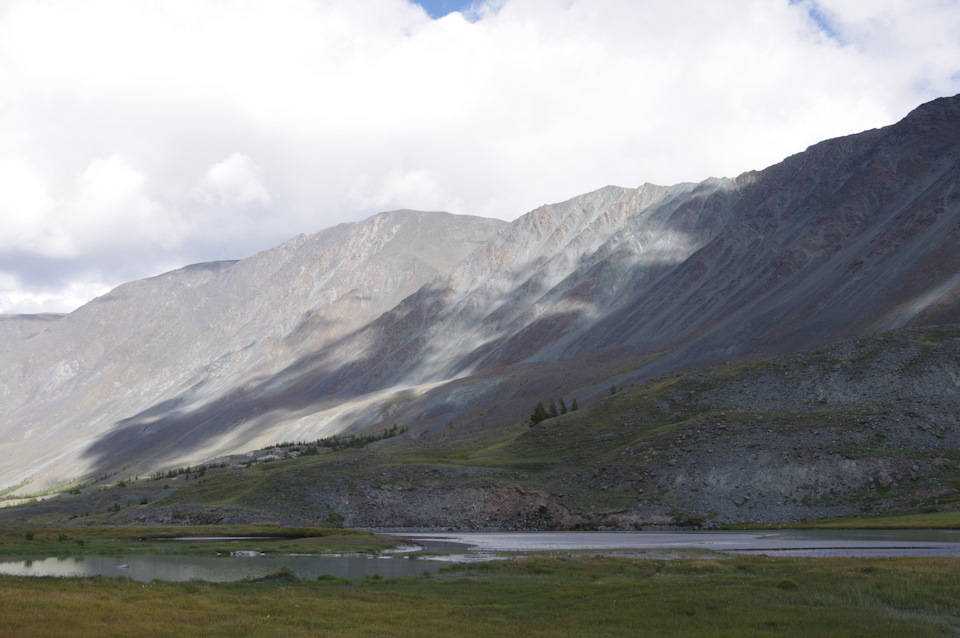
(43, 540)
(534, 596)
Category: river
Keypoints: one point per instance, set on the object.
(814, 543)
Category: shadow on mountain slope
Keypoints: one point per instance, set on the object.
(855, 234)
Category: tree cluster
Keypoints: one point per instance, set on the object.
(338, 441)
(169, 474)
(542, 413)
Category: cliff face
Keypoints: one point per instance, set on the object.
(423, 319)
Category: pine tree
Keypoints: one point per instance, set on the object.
(563, 406)
(539, 414)
(553, 409)
(574, 407)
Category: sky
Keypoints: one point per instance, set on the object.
(139, 137)
(440, 8)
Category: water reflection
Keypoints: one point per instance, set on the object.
(485, 545)
(218, 568)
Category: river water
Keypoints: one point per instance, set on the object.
(482, 546)
(814, 543)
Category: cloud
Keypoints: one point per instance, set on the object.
(188, 131)
(25, 211)
(416, 189)
(111, 206)
(14, 300)
(235, 181)
(107, 205)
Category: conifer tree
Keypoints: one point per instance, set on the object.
(539, 414)
(563, 406)
(574, 407)
(553, 409)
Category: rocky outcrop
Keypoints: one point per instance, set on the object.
(863, 425)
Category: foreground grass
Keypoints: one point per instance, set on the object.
(926, 520)
(748, 596)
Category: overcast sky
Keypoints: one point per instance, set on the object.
(138, 137)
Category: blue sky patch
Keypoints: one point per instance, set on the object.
(439, 8)
(820, 18)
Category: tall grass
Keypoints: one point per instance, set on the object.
(65, 540)
(528, 597)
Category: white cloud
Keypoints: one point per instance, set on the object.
(416, 189)
(235, 181)
(111, 206)
(25, 211)
(71, 295)
(107, 205)
(151, 124)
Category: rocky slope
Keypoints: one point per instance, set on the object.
(453, 325)
(855, 234)
(135, 359)
(866, 427)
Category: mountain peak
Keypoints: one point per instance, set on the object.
(943, 109)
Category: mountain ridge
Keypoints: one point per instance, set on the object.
(853, 235)
(204, 315)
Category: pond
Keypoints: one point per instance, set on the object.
(469, 546)
(219, 568)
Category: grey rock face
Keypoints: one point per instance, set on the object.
(154, 368)
(855, 234)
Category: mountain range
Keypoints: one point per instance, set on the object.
(450, 325)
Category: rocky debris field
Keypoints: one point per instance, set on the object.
(868, 424)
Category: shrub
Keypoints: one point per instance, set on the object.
(787, 583)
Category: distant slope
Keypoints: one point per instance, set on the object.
(165, 346)
(14, 328)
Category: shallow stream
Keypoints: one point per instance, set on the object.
(814, 543)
